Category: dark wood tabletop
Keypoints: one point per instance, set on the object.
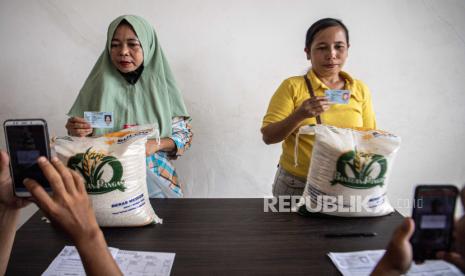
(218, 237)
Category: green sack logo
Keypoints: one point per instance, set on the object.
(92, 165)
(359, 170)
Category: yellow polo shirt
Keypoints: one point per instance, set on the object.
(290, 95)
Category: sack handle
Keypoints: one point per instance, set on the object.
(312, 94)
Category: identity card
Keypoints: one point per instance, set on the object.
(338, 96)
(99, 119)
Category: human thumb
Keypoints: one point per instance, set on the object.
(4, 162)
(3, 159)
(405, 231)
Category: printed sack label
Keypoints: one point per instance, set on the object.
(349, 171)
(114, 170)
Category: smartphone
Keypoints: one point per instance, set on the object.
(26, 140)
(433, 213)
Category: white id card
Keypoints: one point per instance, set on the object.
(99, 119)
(338, 96)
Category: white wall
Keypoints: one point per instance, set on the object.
(230, 56)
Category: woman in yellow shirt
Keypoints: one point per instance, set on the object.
(326, 46)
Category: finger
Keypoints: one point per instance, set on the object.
(319, 99)
(81, 132)
(65, 174)
(4, 166)
(72, 121)
(84, 125)
(77, 120)
(21, 202)
(326, 104)
(317, 110)
(52, 175)
(319, 103)
(69, 128)
(4, 159)
(40, 196)
(313, 106)
(85, 130)
(78, 182)
(404, 231)
(409, 227)
(312, 99)
(452, 257)
(326, 107)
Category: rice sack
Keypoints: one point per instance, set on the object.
(349, 171)
(114, 170)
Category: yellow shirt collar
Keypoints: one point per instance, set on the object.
(317, 83)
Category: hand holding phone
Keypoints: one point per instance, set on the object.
(7, 198)
(433, 213)
(26, 140)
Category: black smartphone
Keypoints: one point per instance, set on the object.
(433, 213)
(26, 140)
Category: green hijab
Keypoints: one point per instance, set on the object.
(153, 99)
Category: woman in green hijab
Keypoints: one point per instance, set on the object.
(133, 81)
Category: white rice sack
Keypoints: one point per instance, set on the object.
(349, 171)
(114, 170)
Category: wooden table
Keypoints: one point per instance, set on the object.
(218, 237)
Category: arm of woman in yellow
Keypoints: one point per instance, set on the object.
(284, 117)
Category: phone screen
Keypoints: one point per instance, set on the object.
(27, 140)
(433, 214)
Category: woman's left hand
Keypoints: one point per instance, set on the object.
(166, 144)
(151, 147)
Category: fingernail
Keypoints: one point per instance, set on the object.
(25, 180)
(42, 159)
(54, 159)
